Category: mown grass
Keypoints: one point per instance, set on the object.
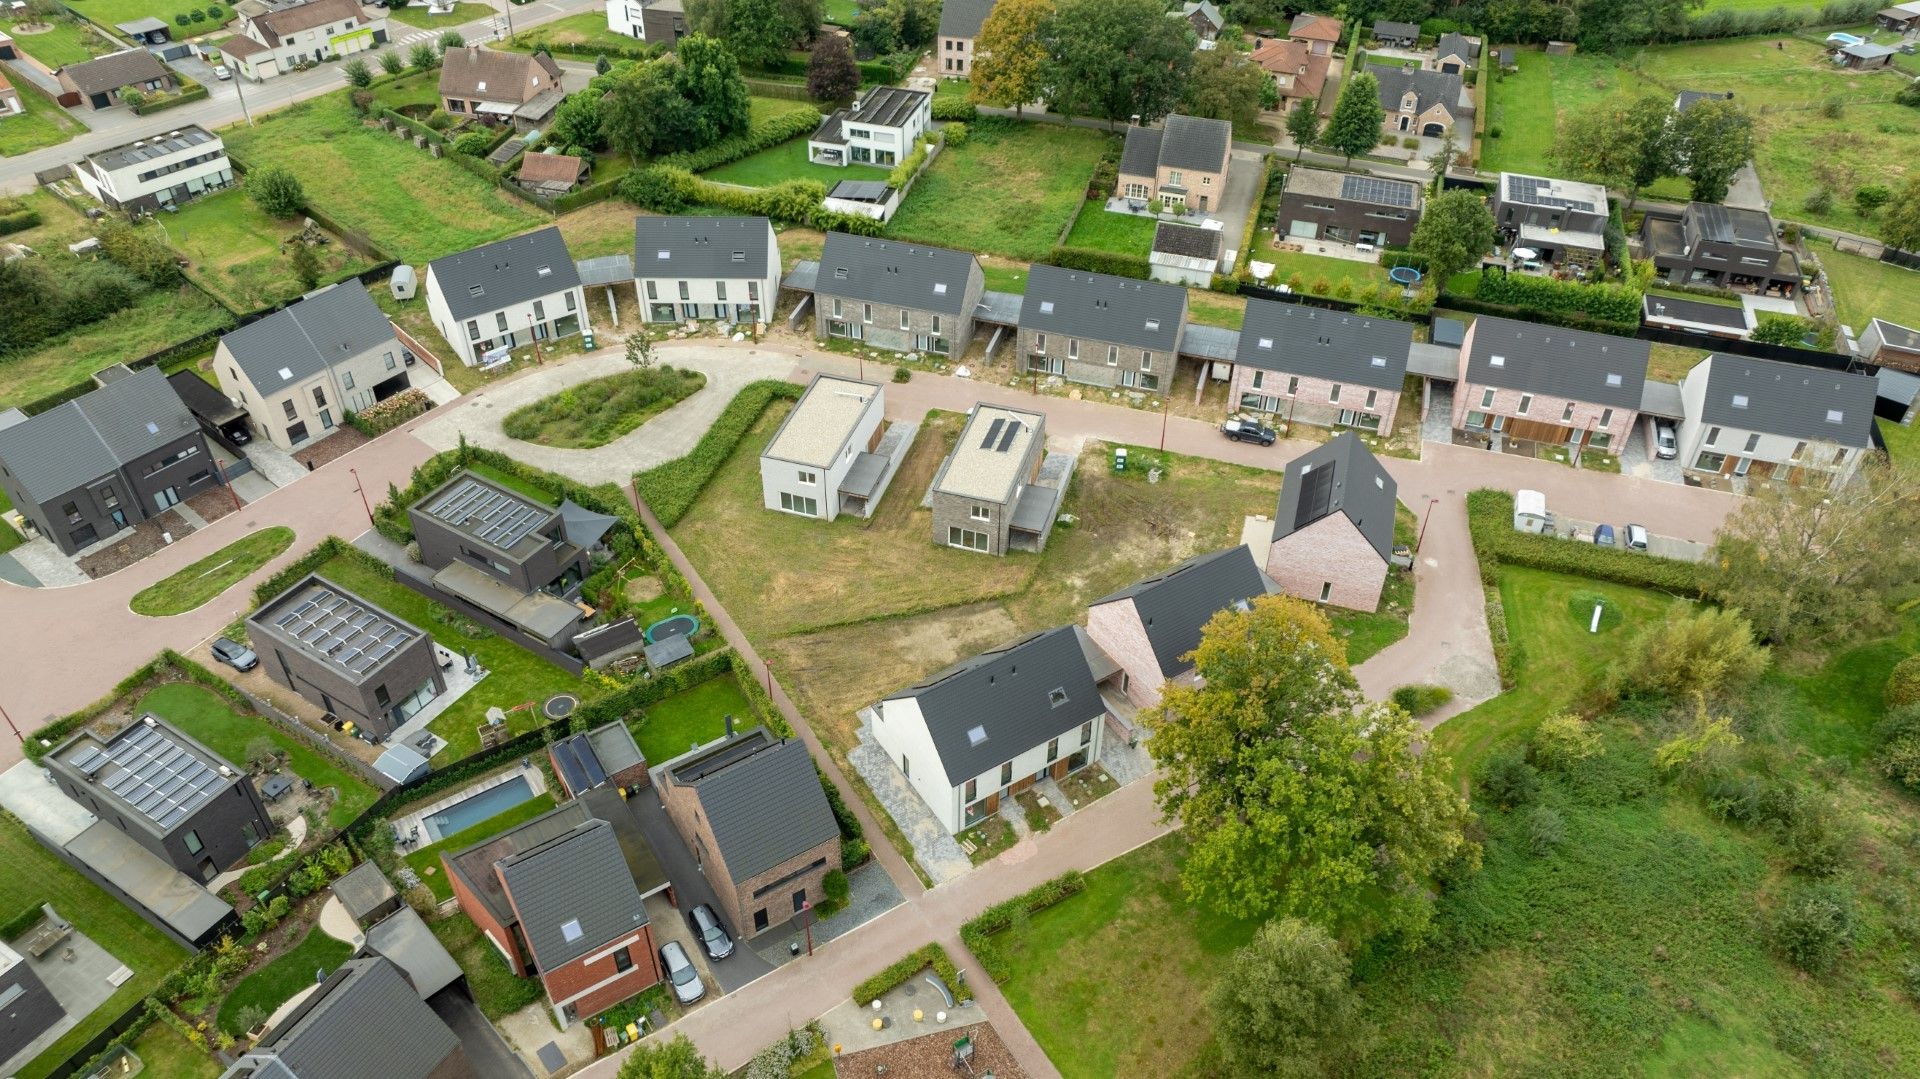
(65, 41)
(237, 251)
(274, 984)
(585, 29)
(44, 123)
(1009, 191)
(162, 1051)
(189, 588)
(157, 320)
(696, 716)
(1100, 230)
(425, 861)
(1866, 289)
(495, 988)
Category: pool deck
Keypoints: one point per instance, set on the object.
(536, 782)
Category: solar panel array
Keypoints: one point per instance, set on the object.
(1536, 191)
(490, 515)
(1377, 191)
(1001, 431)
(579, 765)
(158, 777)
(343, 630)
(1316, 497)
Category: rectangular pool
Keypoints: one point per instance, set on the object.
(488, 803)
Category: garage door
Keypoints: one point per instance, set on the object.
(1302, 230)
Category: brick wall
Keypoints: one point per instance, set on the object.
(1310, 401)
(1545, 409)
(742, 902)
(884, 331)
(1331, 551)
(471, 905)
(592, 985)
(1091, 366)
(1116, 628)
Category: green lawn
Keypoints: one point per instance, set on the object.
(1216, 309)
(1009, 191)
(1903, 443)
(1099, 230)
(495, 988)
(272, 985)
(1670, 363)
(1865, 289)
(159, 319)
(34, 875)
(420, 209)
(697, 716)
(1006, 278)
(788, 161)
(585, 30)
(1315, 270)
(517, 676)
(205, 716)
(425, 861)
(598, 411)
(43, 124)
(1367, 632)
(193, 586)
(842, 12)
(462, 13)
(236, 251)
(114, 12)
(163, 1052)
(1527, 104)
(9, 539)
(66, 41)
(414, 88)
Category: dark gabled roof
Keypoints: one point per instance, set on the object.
(1430, 88)
(1175, 605)
(762, 799)
(327, 326)
(964, 18)
(1454, 44)
(1101, 307)
(363, 1020)
(474, 865)
(1342, 476)
(363, 890)
(1140, 156)
(887, 106)
(1333, 345)
(995, 706)
(1180, 142)
(702, 247)
(576, 885)
(1715, 223)
(75, 443)
(913, 276)
(1198, 243)
(1787, 399)
(1580, 366)
(1384, 28)
(505, 273)
(114, 71)
(1687, 99)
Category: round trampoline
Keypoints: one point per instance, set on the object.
(679, 625)
(1404, 275)
(560, 706)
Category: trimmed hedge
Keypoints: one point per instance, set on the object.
(322, 553)
(189, 91)
(13, 928)
(18, 220)
(670, 489)
(1495, 540)
(1605, 303)
(905, 170)
(977, 934)
(1097, 261)
(764, 135)
(951, 108)
(897, 973)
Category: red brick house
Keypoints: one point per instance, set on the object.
(1150, 627)
(1523, 388)
(1320, 32)
(1333, 531)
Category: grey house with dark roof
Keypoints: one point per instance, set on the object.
(1099, 329)
(98, 83)
(757, 820)
(897, 296)
(1421, 102)
(300, 370)
(1750, 419)
(1182, 163)
(880, 129)
(1525, 388)
(506, 294)
(28, 1009)
(1329, 368)
(720, 268)
(357, 662)
(86, 470)
(1348, 208)
(988, 727)
(1150, 627)
(363, 1020)
(1559, 220)
(1721, 247)
(1333, 528)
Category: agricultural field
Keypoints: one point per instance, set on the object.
(240, 254)
(1009, 191)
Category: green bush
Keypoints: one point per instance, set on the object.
(1495, 541)
(949, 108)
(1421, 700)
(854, 852)
(1899, 755)
(761, 136)
(903, 374)
(13, 928)
(1903, 684)
(1815, 925)
(906, 169)
(1606, 302)
(835, 885)
(977, 934)
(1097, 261)
(1543, 830)
(670, 489)
(1561, 742)
(17, 218)
(1508, 781)
(322, 553)
(931, 955)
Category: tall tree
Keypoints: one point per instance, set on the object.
(1010, 55)
(1900, 220)
(644, 111)
(1354, 127)
(1711, 141)
(708, 77)
(1455, 230)
(760, 32)
(677, 1059)
(1303, 126)
(577, 122)
(1296, 796)
(1621, 143)
(1285, 1002)
(1223, 86)
(1116, 59)
(831, 72)
(1442, 160)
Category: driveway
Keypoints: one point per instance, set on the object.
(691, 889)
(1244, 171)
(487, 1052)
(671, 434)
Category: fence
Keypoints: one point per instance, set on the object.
(1854, 245)
(133, 1018)
(1804, 357)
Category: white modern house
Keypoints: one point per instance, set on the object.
(506, 294)
(725, 269)
(659, 21)
(823, 446)
(880, 129)
(1753, 419)
(165, 170)
(276, 37)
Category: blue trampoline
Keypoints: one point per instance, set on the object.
(1404, 275)
(679, 625)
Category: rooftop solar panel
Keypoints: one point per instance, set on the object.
(1316, 496)
(1377, 191)
(487, 514)
(341, 630)
(155, 776)
(993, 433)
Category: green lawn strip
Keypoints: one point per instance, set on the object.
(235, 251)
(1009, 191)
(193, 586)
(516, 676)
(788, 161)
(1865, 289)
(9, 537)
(163, 1052)
(461, 14)
(697, 716)
(35, 875)
(598, 411)
(1903, 443)
(1101, 230)
(1367, 632)
(1006, 278)
(43, 124)
(510, 481)
(586, 30)
(1670, 363)
(1215, 309)
(1313, 268)
(205, 716)
(274, 984)
(115, 12)
(158, 319)
(426, 860)
(495, 988)
(66, 41)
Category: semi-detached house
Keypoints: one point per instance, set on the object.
(1150, 628)
(891, 295)
(1525, 386)
(162, 171)
(1099, 329)
(710, 268)
(300, 370)
(1755, 419)
(276, 37)
(1327, 368)
(506, 294)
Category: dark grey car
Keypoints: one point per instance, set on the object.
(713, 936)
(235, 655)
(674, 961)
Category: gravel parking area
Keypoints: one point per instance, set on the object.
(871, 893)
(936, 851)
(336, 445)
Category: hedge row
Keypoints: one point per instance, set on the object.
(1505, 658)
(1496, 541)
(764, 135)
(616, 706)
(322, 553)
(191, 91)
(977, 934)
(954, 108)
(670, 489)
(13, 928)
(411, 124)
(904, 171)
(1604, 302)
(1098, 261)
(1479, 306)
(49, 736)
(18, 220)
(896, 974)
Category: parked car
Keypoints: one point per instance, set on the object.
(1244, 430)
(235, 655)
(713, 936)
(1636, 537)
(1666, 446)
(222, 72)
(687, 986)
(1603, 535)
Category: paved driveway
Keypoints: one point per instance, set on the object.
(690, 887)
(1244, 172)
(486, 1051)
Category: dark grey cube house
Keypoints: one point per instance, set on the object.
(167, 792)
(27, 1007)
(339, 651)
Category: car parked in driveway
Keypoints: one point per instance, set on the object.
(1244, 430)
(1603, 535)
(687, 986)
(1665, 445)
(222, 72)
(1636, 537)
(713, 935)
(235, 655)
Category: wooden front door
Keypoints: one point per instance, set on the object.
(1020, 786)
(1060, 769)
(993, 804)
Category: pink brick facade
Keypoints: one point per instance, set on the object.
(956, 56)
(1311, 400)
(1329, 561)
(1546, 419)
(505, 940)
(1203, 188)
(1117, 629)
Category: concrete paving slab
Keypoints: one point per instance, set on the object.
(49, 565)
(79, 973)
(933, 847)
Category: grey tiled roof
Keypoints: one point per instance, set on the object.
(330, 325)
(1359, 488)
(766, 806)
(1776, 398)
(1574, 364)
(1141, 154)
(1172, 239)
(582, 877)
(474, 865)
(75, 443)
(1678, 307)
(1181, 142)
(1100, 307)
(1175, 605)
(506, 272)
(1430, 87)
(1333, 345)
(963, 18)
(363, 1020)
(1452, 44)
(1007, 693)
(701, 247)
(899, 274)
(114, 71)
(1384, 28)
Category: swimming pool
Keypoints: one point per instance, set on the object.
(488, 803)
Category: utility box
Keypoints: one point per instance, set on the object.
(1530, 512)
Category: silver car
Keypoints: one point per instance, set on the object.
(1666, 447)
(687, 986)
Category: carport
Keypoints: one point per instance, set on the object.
(1214, 349)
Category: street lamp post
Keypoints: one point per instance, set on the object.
(363, 494)
(806, 919)
(23, 740)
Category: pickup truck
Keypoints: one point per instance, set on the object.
(1245, 430)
